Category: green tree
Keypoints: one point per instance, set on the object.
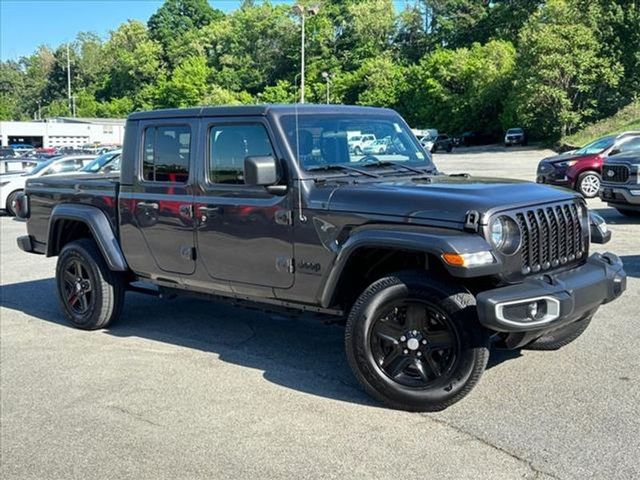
(188, 85)
(176, 18)
(462, 89)
(563, 79)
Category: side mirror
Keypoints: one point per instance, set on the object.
(260, 171)
(600, 233)
(613, 152)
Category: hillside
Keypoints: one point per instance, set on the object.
(626, 119)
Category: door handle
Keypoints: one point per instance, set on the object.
(206, 212)
(210, 210)
(151, 205)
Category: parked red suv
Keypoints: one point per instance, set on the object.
(581, 169)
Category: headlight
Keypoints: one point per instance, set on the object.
(568, 163)
(504, 235)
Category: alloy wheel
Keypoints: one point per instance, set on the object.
(414, 343)
(77, 287)
(590, 185)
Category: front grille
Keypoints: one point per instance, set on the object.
(615, 173)
(551, 236)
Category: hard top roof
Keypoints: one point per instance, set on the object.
(256, 110)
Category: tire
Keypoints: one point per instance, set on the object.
(449, 148)
(588, 184)
(10, 202)
(101, 302)
(357, 151)
(628, 213)
(449, 322)
(560, 337)
(434, 149)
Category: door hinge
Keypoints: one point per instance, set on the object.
(285, 264)
(284, 217)
(472, 221)
(187, 252)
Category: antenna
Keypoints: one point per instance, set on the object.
(301, 215)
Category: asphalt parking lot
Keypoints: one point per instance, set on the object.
(189, 389)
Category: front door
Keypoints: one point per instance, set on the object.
(244, 233)
(160, 201)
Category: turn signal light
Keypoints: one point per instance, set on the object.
(468, 259)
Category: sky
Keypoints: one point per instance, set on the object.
(26, 24)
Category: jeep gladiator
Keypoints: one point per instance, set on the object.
(267, 205)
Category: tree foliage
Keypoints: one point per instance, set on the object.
(457, 65)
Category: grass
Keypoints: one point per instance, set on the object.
(624, 120)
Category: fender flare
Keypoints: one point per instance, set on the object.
(99, 226)
(434, 241)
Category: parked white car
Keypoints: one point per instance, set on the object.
(11, 186)
(105, 163)
(358, 142)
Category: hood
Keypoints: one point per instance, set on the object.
(568, 156)
(444, 199)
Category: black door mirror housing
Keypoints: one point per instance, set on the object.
(260, 171)
(600, 233)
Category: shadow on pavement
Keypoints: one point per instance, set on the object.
(631, 265)
(612, 216)
(301, 353)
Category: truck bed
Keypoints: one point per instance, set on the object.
(98, 190)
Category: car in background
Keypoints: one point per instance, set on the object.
(515, 136)
(380, 146)
(442, 142)
(357, 143)
(16, 166)
(621, 182)
(581, 169)
(8, 152)
(11, 187)
(22, 148)
(105, 163)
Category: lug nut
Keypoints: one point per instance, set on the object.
(406, 351)
(424, 342)
(403, 338)
(419, 354)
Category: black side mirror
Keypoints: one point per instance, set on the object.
(613, 152)
(260, 171)
(600, 233)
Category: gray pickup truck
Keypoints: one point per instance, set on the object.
(268, 206)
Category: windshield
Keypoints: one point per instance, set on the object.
(329, 139)
(596, 147)
(100, 162)
(513, 131)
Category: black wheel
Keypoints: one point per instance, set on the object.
(414, 343)
(560, 337)
(434, 149)
(11, 203)
(628, 213)
(357, 151)
(91, 295)
(588, 184)
(449, 148)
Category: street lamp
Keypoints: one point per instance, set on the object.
(302, 12)
(327, 78)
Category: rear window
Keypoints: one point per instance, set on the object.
(167, 150)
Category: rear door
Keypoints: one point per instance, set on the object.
(159, 202)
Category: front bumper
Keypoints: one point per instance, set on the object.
(571, 295)
(549, 174)
(622, 196)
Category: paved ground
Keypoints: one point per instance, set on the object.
(188, 389)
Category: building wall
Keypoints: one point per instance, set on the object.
(56, 134)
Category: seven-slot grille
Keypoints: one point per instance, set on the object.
(615, 173)
(551, 236)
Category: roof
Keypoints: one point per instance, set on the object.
(256, 110)
(94, 121)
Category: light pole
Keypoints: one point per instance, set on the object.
(327, 78)
(303, 11)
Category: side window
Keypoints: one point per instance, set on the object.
(229, 145)
(632, 145)
(61, 167)
(166, 153)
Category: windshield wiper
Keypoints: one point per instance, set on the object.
(337, 166)
(387, 163)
